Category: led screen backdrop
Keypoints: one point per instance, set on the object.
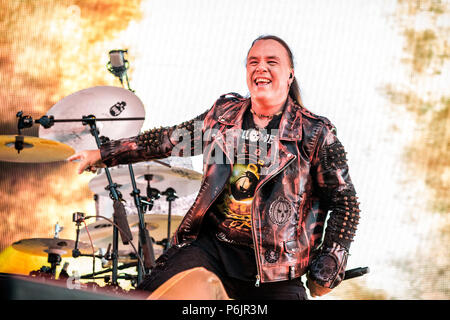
(379, 70)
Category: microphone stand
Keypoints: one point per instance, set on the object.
(119, 69)
(145, 248)
(114, 194)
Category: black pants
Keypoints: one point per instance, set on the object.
(176, 260)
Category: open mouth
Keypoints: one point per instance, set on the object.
(262, 82)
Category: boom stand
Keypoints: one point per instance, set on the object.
(145, 244)
(114, 194)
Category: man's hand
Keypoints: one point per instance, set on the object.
(91, 160)
(315, 289)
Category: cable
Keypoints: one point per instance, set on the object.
(134, 248)
(92, 245)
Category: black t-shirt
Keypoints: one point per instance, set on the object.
(226, 234)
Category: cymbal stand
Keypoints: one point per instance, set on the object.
(48, 272)
(54, 259)
(145, 248)
(170, 197)
(152, 193)
(22, 123)
(48, 122)
(114, 194)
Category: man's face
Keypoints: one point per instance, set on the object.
(268, 70)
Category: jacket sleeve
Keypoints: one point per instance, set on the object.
(331, 171)
(184, 139)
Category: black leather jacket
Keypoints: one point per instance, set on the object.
(309, 180)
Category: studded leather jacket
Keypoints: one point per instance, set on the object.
(309, 181)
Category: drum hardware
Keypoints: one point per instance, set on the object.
(22, 123)
(63, 275)
(101, 232)
(170, 197)
(51, 146)
(58, 229)
(54, 258)
(152, 193)
(108, 286)
(108, 256)
(43, 246)
(119, 66)
(107, 278)
(119, 211)
(26, 121)
(112, 104)
(124, 276)
(115, 256)
(78, 218)
(48, 272)
(71, 107)
(143, 204)
(48, 122)
(145, 247)
(184, 181)
(121, 267)
(61, 122)
(54, 249)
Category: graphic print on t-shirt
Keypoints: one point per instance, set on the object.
(235, 204)
(237, 198)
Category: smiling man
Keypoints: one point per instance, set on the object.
(269, 77)
(258, 219)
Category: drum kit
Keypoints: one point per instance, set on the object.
(85, 120)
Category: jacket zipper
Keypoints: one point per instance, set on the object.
(223, 187)
(258, 267)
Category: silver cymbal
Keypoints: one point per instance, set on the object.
(184, 181)
(102, 102)
(43, 246)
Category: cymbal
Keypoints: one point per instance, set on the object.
(101, 231)
(102, 102)
(34, 150)
(44, 246)
(184, 181)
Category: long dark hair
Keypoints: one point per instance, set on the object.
(294, 90)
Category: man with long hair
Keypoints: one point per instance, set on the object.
(273, 173)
